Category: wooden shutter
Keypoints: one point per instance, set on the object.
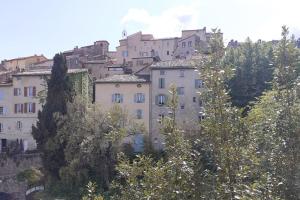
(156, 99)
(16, 108)
(15, 91)
(135, 98)
(143, 98)
(25, 107)
(34, 91)
(112, 98)
(121, 96)
(163, 83)
(33, 107)
(22, 108)
(25, 91)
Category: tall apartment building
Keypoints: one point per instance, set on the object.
(21, 63)
(183, 75)
(20, 101)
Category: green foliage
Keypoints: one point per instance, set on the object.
(33, 176)
(58, 94)
(170, 178)
(91, 192)
(254, 65)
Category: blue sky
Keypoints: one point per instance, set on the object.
(30, 27)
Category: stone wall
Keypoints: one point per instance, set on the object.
(10, 167)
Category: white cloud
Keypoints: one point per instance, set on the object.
(168, 23)
(259, 19)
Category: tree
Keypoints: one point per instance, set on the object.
(253, 65)
(59, 92)
(225, 135)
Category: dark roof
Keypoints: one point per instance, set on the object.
(123, 78)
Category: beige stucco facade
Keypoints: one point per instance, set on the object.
(189, 102)
(104, 92)
(10, 119)
(20, 103)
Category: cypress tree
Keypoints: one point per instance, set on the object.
(58, 94)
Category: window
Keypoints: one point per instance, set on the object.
(1, 95)
(168, 52)
(125, 54)
(161, 100)
(19, 108)
(200, 102)
(1, 110)
(138, 144)
(162, 72)
(29, 91)
(194, 99)
(139, 114)
(190, 43)
(17, 92)
(29, 107)
(183, 44)
(19, 78)
(139, 98)
(201, 117)
(161, 83)
(182, 106)
(161, 118)
(198, 83)
(181, 73)
(117, 98)
(1, 127)
(19, 125)
(180, 90)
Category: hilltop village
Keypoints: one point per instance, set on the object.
(136, 76)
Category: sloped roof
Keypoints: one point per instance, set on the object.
(122, 78)
(47, 72)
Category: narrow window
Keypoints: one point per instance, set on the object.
(19, 125)
(1, 110)
(161, 83)
(180, 90)
(198, 83)
(139, 98)
(117, 98)
(162, 72)
(181, 73)
(139, 114)
(183, 44)
(194, 99)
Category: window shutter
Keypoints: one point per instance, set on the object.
(112, 98)
(143, 98)
(15, 91)
(156, 99)
(121, 96)
(22, 108)
(163, 83)
(196, 85)
(25, 91)
(33, 107)
(135, 98)
(34, 91)
(25, 107)
(16, 108)
(166, 99)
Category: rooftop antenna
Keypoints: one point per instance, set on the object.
(124, 34)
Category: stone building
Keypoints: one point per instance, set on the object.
(140, 49)
(21, 99)
(21, 63)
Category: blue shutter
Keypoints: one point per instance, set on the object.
(121, 96)
(135, 98)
